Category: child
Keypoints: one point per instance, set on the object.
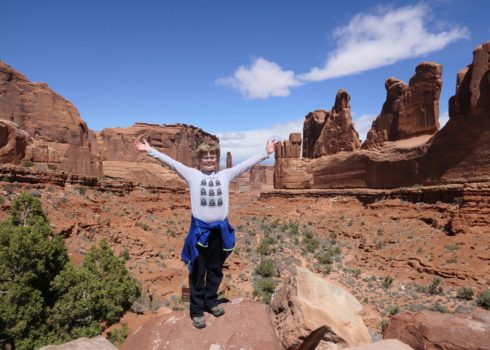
(210, 238)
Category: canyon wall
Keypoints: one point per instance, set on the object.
(57, 134)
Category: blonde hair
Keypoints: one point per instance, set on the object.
(208, 147)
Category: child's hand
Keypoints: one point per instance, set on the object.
(270, 146)
(142, 146)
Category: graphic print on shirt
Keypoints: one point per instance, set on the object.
(208, 195)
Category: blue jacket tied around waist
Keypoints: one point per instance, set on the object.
(199, 234)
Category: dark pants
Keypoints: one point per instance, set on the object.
(207, 273)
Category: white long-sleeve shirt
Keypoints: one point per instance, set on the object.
(209, 193)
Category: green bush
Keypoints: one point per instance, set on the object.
(266, 268)
(387, 282)
(264, 288)
(465, 293)
(438, 307)
(46, 299)
(119, 335)
(27, 163)
(383, 324)
(393, 310)
(265, 248)
(483, 299)
(435, 287)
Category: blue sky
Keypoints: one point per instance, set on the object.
(244, 70)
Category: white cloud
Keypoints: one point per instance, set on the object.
(261, 80)
(363, 125)
(443, 119)
(244, 144)
(370, 41)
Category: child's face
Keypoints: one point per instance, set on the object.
(208, 162)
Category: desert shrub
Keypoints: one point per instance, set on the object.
(82, 190)
(393, 310)
(125, 254)
(52, 166)
(265, 248)
(264, 288)
(438, 307)
(387, 282)
(266, 268)
(383, 324)
(119, 335)
(435, 287)
(483, 299)
(310, 243)
(44, 298)
(465, 293)
(27, 163)
(144, 226)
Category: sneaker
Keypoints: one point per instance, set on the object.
(216, 311)
(198, 322)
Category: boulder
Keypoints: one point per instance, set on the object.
(433, 330)
(409, 110)
(97, 343)
(385, 344)
(308, 311)
(245, 325)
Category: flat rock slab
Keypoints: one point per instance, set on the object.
(97, 343)
(246, 325)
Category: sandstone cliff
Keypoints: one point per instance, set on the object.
(122, 160)
(58, 135)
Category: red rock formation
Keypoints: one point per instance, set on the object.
(312, 128)
(229, 161)
(13, 142)
(261, 176)
(338, 133)
(59, 134)
(246, 325)
(121, 159)
(458, 153)
(179, 141)
(433, 330)
(290, 148)
(409, 110)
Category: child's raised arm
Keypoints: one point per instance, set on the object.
(240, 168)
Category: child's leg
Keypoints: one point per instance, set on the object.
(214, 273)
(196, 284)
